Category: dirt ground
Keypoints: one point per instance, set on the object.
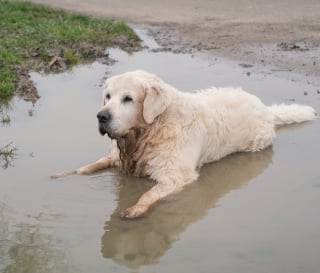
(283, 35)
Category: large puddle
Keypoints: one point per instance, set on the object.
(255, 212)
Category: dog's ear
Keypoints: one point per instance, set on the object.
(156, 100)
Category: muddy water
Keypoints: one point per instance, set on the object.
(256, 212)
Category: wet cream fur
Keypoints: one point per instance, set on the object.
(167, 135)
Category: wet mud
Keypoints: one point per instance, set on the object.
(249, 212)
(26, 88)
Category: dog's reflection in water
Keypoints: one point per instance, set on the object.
(145, 240)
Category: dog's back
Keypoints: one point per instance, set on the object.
(237, 121)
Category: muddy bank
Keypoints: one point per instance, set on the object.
(274, 54)
(57, 64)
(251, 32)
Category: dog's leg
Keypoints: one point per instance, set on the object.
(111, 160)
(159, 191)
(102, 163)
(171, 182)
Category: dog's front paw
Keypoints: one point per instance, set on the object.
(134, 212)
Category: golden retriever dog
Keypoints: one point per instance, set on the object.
(162, 133)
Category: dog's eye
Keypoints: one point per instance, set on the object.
(108, 96)
(127, 99)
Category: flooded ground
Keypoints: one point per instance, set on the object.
(254, 212)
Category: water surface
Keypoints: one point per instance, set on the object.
(250, 212)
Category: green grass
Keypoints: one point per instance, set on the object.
(30, 33)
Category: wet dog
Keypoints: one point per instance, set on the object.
(167, 135)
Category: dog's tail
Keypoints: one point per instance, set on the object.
(292, 113)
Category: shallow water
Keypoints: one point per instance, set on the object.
(254, 212)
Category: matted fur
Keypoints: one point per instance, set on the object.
(162, 133)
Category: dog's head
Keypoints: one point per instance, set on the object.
(131, 100)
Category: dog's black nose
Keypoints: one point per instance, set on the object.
(104, 116)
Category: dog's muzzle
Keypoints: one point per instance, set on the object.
(104, 118)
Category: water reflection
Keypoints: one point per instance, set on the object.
(29, 247)
(5, 108)
(7, 155)
(7, 150)
(145, 241)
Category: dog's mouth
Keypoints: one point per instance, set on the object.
(103, 129)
